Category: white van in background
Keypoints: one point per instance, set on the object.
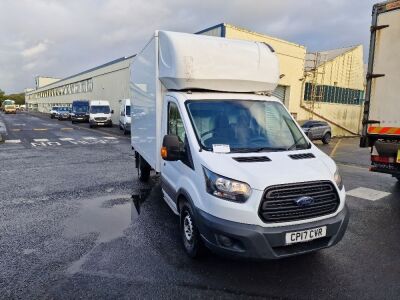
(125, 115)
(235, 166)
(100, 113)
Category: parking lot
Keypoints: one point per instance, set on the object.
(77, 223)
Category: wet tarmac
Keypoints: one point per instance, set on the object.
(75, 222)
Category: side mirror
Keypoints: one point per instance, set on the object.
(170, 150)
(112, 111)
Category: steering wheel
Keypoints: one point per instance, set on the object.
(208, 132)
(258, 139)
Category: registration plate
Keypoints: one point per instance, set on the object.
(100, 123)
(305, 235)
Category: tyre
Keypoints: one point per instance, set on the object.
(51, 117)
(125, 131)
(143, 170)
(398, 178)
(327, 138)
(91, 126)
(191, 240)
(120, 127)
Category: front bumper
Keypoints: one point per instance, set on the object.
(101, 123)
(256, 242)
(82, 118)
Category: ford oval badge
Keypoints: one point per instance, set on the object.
(304, 201)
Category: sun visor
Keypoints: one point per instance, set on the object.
(191, 61)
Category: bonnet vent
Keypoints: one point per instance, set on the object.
(302, 156)
(252, 159)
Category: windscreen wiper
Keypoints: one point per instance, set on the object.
(259, 149)
(295, 143)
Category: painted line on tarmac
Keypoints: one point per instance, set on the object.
(88, 129)
(353, 166)
(41, 140)
(333, 152)
(16, 129)
(66, 139)
(67, 128)
(12, 141)
(89, 138)
(109, 137)
(40, 129)
(101, 132)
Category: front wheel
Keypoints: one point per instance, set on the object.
(143, 170)
(192, 243)
(327, 138)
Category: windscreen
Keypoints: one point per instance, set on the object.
(245, 125)
(128, 111)
(100, 109)
(80, 107)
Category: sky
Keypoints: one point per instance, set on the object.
(60, 38)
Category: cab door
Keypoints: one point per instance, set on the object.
(173, 171)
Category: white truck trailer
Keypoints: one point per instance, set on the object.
(234, 165)
(381, 119)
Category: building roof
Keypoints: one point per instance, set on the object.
(91, 70)
(321, 57)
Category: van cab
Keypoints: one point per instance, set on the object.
(10, 109)
(80, 111)
(125, 116)
(235, 167)
(100, 113)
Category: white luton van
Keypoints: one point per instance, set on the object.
(235, 166)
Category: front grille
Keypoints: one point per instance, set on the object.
(100, 119)
(252, 159)
(278, 203)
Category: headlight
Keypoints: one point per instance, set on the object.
(226, 188)
(338, 179)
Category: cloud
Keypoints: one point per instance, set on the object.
(35, 50)
(60, 38)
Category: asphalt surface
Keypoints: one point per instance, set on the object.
(76, 223)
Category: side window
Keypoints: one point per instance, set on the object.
(175, 124)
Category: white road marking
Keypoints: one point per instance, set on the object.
(109, 137)
(19, 124)
(367, 194)
(66, 139)
(89, 138)
(12, 141)
(41, 140)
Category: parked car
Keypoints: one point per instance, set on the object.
(318, 130)
(64, 113)
(125, 116)
(54, 112)
(100, 113)
(80, 111)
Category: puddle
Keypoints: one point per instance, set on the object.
(107, 216)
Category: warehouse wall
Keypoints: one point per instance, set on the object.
(291, 60)
(110, 82)
(344, 71)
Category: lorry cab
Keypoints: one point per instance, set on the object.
(80, 111)
(125, 116)
(235, 166)
(100, 113)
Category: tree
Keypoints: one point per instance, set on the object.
(1, 95)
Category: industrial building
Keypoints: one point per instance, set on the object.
(327, 85)
(109, 81)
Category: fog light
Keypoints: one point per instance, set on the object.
(225, 241)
